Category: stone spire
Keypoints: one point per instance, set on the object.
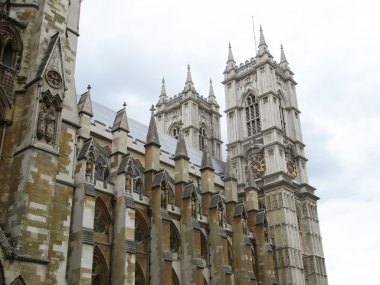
(121, 120)
(251, 183)
(283, 61)
(228, 170)
(152, 135)
(189, 85)
(263, 47)
(163, 96)
(181, 150)
(206, 161)
(84, 104)
(262, 38)
(211, 95)
(230, 61)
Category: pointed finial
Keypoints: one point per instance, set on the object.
(283, 57)
(181, 150)
(189, 85)
(188, 78)
(124, 105)
(211, 95)
(88, 88)
(262, 38)
(152, 135)
(230, 55)
(250, 177)
(228, 174)
(206, 160)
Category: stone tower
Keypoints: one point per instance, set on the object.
(199, 117)
(264, 140)
(38, 125)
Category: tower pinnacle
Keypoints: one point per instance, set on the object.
(163, 96)
(211, 95)
(189, 85)
(152, 135)
(283, 61)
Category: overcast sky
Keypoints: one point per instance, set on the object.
(333, 47)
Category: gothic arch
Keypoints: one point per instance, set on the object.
(246, 93)
(141, 233)
(175, 280)
(174, 129)
(10, 45)
(204, 134)
(100, 273)
(19, 280)
(139, 275)
(102, 219)
(204, 248)
(175, 240)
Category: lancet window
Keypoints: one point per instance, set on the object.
(101, 223)
(252, 115)
(10, 46)
(282, 118)
(202, 138)
(99, 269)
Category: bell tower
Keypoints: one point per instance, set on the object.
(38, 125)
(199, 117)
(264, 138)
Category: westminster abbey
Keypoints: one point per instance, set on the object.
(91, 196)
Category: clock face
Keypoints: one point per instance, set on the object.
(291, 166)
(258, 165)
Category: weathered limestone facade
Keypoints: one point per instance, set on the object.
(198, 117)
(261, 96)
(116, 202)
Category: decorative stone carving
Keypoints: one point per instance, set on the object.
(54, 78)
(48, 118)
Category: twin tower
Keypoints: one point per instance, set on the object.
(90, 196)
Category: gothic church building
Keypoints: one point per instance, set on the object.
(91, 196)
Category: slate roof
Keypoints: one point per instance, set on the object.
(129, 202)
(89, 189)
(138, 131)
(260, 218)
(238, 210)
(130, 246)
(187, 191)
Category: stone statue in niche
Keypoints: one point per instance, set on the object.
(220, 216)
(41, 125)
(163, 197)
(128, 180)
(89, 167)
(46, 125)
(244, 222)
(193, 206)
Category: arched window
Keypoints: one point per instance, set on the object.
(204, 247)
(202, 138)
(141, 234)
(175, 132)
(7, 55)
(139, 275)
(175, 280)
(230, 255)
(3, 106)
(282, 118)
(174, 239)
(101, 220)
(99, 268)
(252, 115)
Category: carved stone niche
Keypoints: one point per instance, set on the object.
(49, 112)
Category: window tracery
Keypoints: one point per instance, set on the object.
(10, 46)
(163, 196)
(99, 269)
(252, 115)
(174, 239)
(100, 219)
